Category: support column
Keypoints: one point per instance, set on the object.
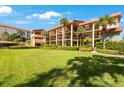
(50, 38)
(99, 35)
(63, 36)
(93, 29)
(56, 36)
(33, 39)
(71, 34)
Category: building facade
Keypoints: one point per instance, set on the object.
(11, 30)
(66, 36)
(36, 38)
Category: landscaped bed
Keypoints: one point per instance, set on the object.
(40, 67)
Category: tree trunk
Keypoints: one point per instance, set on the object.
(104, 36)
(45, 39)
(77, 40)
(80, 42)
(104, 41)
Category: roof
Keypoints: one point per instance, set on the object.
(93, 21)
(6, 42)
(77, 22)
(13, 27)
(37, 30)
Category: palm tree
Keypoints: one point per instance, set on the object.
(28, 42)
(87, 40)
(79, 31)
(104, 22)
(5, 35)
(44, 33)
(21, 35)
(63, 21)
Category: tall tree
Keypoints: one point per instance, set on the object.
(79, 32)
(15, 37)
(44, 33)
(5, 35)
(21, 35)
(104, 22)
(87, 40)
(64, 21)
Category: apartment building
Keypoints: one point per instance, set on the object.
(36, 38)
(67, 36)
(10, 30)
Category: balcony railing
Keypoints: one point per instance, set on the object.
(39, 40)
(37, 35)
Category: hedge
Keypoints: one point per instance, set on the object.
(112, 45)
(23, 47)
(74, 48)
(49, 46)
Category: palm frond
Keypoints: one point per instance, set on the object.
(64, 21)
(81, 29)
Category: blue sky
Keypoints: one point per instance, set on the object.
(47, 17)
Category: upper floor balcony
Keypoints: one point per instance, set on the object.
(37, 35)
(39, 40)
(112, 27)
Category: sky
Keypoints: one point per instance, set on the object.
(48, 16)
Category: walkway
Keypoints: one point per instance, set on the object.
(121, 56)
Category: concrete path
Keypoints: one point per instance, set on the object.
(121, 56)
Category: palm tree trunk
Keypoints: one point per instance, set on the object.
(77, 40)
(45, 40)
(104, 41)
(80, 42)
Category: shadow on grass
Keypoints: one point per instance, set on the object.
(5, 80)
(82, 71)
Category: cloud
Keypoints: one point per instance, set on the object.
(21, 22)
(122, 20)
(94, 19)
(32, 16)
(68, 12)
(5, 10)
(46, 15)
(51, 23)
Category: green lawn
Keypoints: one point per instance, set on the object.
(37, 67)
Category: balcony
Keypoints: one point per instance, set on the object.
(52, 34)
(60, 32)
(37, 35)
(39, 40)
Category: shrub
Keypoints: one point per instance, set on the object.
(57, 47)
(121, 47)
(74, 48)
(23, 47)
(112, 45)
(85, 49)
(99, 45)
(49, 46)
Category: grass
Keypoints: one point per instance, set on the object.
(37, 67)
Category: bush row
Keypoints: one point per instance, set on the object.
(23, 47)
(85, 49)
(74, 48)
(49, 46)
(112, 45)
(57, 47)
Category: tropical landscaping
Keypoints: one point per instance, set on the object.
(56, 65)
